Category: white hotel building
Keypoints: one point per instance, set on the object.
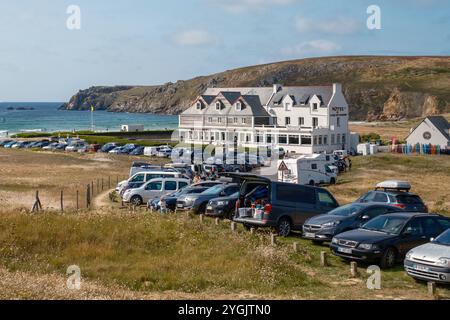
(305, 120)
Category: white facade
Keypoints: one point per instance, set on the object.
(303, 120)
(433, 130)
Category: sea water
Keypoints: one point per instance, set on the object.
(47, 118)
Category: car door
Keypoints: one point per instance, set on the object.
(169, 187)
(412, 235)
(432, 228)
(152, 190)
(325, 202)
(370, 213)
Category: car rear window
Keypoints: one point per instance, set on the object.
(409, 199)
(295, 193)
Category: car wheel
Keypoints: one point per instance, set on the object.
(136, 200)
(332, 181)
(284, 227)
(389, 258)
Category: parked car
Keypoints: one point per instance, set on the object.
(3, 142)
(351, 216)
(61, 146)
(51, 146)
(140, 178)
(431, 261)
(197, 202)
(395, 193)
(138, 151)
(387, 238)
(222, 207)
(165, 152)
(94, 147)
(19, 145)
(108, 147)
(283, 206)
(154, 188)
(75, 146)
(10, 144)
(151, 151)
(170, 201)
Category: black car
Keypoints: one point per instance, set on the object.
(197, 202)
(387, 238)
(351, 216)
(283, 206)
(138, 151)
(222, 207)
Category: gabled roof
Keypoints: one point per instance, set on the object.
(208, 98)
(231, 96)
(252, 106)
(302, 95)
(441, 124)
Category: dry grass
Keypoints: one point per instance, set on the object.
(149, 256)
(22, 172)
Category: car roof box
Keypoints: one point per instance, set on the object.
(397, 185)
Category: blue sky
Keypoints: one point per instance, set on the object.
(151, 41)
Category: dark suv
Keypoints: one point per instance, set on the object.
(400, 199)
(284, 206)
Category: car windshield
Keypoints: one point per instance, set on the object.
(213, 190)
(386, 224)
(347, 210)
(443, 239)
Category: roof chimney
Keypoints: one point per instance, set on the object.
(337, 87)
(276, 88)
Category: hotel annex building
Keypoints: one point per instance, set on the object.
(305, 120)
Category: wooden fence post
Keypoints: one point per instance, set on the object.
(353, 269)
(323, 259)
(217, 221)
(252, 231)
(201, 218)
(88, 196)
(37, 206)
(295, 246)
(233, 226)
(431, 289)
(62, 200)
(273, 240)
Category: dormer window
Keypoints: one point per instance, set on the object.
(315, 106)
(218, 106)
(238, 106)
(198, 105)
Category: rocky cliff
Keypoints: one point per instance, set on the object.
(377, 88)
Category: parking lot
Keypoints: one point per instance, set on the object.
(425, 174)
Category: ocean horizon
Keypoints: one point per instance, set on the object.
(16, 117)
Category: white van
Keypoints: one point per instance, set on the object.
(154, 188)
(310, 169)
(151, 151)
(140, 178)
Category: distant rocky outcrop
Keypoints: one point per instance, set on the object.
(376, 87)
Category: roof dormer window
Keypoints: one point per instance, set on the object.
(238, 106)
(218, 106)
(198, 105)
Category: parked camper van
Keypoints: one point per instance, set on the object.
(307, 170)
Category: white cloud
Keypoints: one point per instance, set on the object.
(339, 25)
(313, 47)
(242, 6)
(194, 38)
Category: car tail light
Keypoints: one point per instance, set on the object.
(399, 205)
(268, 208)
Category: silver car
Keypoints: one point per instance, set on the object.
(430, 261)
(154, 188)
